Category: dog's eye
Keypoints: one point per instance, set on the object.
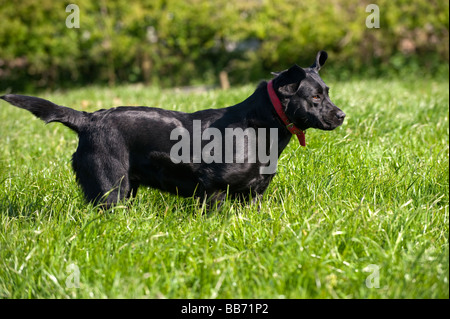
(316, 98)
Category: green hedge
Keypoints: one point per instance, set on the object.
(181, 42)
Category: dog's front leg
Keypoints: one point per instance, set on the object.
(213, 202)
(257, 200)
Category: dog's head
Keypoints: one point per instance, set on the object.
(305, 98)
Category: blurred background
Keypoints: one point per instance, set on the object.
(190, 42)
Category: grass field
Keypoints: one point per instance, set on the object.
(361, 212)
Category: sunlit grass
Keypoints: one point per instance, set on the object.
(373, 194)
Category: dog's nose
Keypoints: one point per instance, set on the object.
(340, 115)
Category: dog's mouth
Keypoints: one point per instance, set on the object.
(325, 123)
(330, 125)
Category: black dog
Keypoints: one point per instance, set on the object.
(124, 147)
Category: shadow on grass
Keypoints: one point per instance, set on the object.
(30, 207)
(26, 208)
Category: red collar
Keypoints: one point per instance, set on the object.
(289, 125)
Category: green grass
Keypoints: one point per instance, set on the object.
(373, 192)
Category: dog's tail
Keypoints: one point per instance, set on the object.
(48, 111)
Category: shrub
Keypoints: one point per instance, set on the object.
(181, 42)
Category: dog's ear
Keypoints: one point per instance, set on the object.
(321, 57)
(287, 82)
(277, 73)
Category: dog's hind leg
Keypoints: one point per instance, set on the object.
(104, 180)
(108, 192)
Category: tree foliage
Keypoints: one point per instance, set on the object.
(180, 42)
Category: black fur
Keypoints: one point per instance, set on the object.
(122, 148)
